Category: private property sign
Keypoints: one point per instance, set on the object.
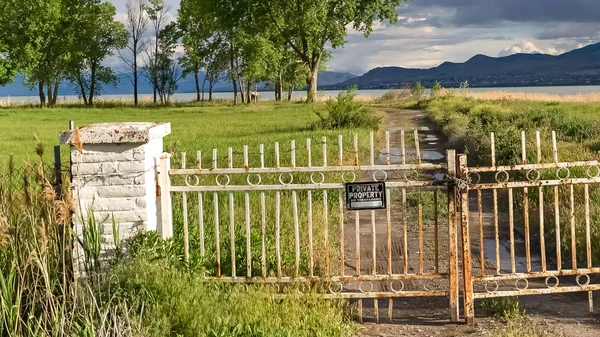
(365, 196)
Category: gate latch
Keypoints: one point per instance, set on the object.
(460, 183)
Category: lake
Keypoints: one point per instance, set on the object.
(183, 97)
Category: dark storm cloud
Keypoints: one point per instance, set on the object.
(570, 30)
(494, 12)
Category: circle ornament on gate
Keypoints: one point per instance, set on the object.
(587, 280)
(554, 280)
(487, 286)
(196, 180)
(380, 174)
(337, 290)
(590, 170)
(320, 174)
(395, 289)
(362, 290)
(227, 181)
(253, 182)
(475, 181)
(289, 175)
(522, 284)
(533, 175)
(353, 175)
(502, 177)
(563, 173)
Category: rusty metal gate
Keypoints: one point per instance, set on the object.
(258, 216)
(515, 212)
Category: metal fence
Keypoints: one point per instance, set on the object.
(20, 184)
(513, 230)
(258, 220)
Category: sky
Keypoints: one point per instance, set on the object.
(430, 32)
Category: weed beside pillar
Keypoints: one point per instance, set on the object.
(114, 169)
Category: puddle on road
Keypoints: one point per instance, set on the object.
(411, 157)
(489, 249)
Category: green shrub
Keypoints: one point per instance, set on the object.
(506, 308)
(417, 90)
(179, 303)
(436, 89)
(344, 112)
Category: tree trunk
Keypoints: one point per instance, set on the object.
(41, 94)
(55, 97)
(233, 73)
(248, 93)
(210, 90)
(311, 83)
(92, 84)
(82, 88)
(280, 87)
(290, 93)
(135, 74)
(49, 89)
(242, 91)
(203, 84)
(197, 86)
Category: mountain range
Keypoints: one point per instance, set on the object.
(577, 67)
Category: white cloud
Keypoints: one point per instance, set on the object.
(527, 47)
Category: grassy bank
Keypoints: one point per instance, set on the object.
(194, 126)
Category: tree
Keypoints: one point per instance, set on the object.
(37, 36)
(436, 89)
(417, 90)
(8, 66)
(198, 28)
(157, 11)
(163, 68)
(101, 36)
(137, 26)
(308, 25)
(217, 63)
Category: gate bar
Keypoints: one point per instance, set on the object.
(469, 306)
(452, 238)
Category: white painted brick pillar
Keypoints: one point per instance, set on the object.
(115, 175)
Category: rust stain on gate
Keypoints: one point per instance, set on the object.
(273, 222)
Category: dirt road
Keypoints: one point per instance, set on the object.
(557, 315)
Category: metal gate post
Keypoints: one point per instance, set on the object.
(466, 244)
(453, 236)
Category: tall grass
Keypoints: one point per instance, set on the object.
(149, 293)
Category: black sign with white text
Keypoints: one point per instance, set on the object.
(365, 196)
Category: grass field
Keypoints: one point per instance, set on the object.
(194, 127)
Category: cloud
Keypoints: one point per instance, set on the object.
(570, 30)
(429, 32)
(527, 47)
(493, 12)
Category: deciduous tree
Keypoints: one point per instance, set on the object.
(137, 27)
(307, 26)
(100, 35)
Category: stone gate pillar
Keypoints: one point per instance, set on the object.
(115, 177)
